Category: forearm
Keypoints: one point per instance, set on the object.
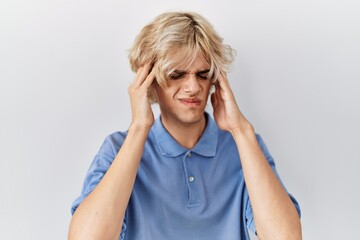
(101, 214)
(275, 215)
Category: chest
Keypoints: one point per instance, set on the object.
(188, 183)
(189, 192)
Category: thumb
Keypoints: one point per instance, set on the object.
(214, 101)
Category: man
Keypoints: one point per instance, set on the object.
(183, 175)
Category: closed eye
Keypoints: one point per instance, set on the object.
(177, 74)
(203, 74)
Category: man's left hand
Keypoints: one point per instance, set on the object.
(226, 111)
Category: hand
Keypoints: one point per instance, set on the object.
(226, 111)
(142, 114)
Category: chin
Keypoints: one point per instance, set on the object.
(193, 117)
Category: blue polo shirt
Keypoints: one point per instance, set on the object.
(182, 193)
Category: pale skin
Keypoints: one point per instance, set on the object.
(182, 105)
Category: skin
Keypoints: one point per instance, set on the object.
(274, 213)
(182, 105)
(183, 102)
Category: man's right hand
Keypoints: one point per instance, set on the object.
(142, 115)
(101, 214)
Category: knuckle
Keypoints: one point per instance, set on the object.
(130, 89)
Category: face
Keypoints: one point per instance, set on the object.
(184, 98)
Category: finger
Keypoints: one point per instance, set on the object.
(213, 100)
(226, 91)
(149, 79)
(218, 91)
(217, 95)
(223, 81)
(143, 73)
(137, 74)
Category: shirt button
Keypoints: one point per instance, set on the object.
(191, 179)
(189, 154)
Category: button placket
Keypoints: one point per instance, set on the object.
(190, 177)
(193, 191)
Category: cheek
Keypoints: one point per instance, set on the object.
(206, 86)
(172, 90)
(165, 93)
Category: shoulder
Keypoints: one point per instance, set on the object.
(264, 148)
(112, 143)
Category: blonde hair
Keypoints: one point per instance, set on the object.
(177, 38)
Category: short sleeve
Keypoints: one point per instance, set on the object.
(96, 172)
(248, 212)
(99, 167)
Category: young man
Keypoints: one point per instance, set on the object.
(184, 175)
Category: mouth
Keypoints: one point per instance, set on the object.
(190, 102)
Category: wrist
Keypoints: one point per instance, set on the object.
(245, 130)
(139, 128)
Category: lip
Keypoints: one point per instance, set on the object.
(190, 102)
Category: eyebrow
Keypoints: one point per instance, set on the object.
(180, 72)
(204, 71)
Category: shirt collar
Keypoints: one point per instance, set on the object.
(168, 146)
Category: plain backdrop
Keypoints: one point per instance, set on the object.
(64, 75)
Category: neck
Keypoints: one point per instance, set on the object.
(186, 134)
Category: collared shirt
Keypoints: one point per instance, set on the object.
(182, 193)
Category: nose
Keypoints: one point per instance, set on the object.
(191, 84)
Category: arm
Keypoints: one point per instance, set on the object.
(101, 214)
(274, 213)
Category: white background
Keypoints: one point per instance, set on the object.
(64, 75)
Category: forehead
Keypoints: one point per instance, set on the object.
(187, 59)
